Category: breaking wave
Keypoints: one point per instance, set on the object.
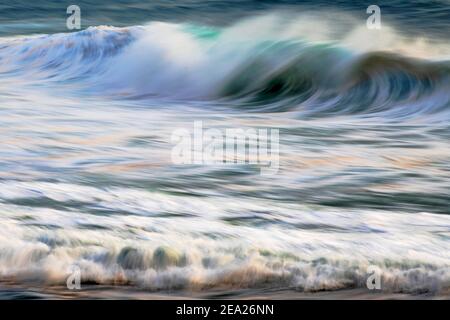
(213, 242)
(87, 180)
(280, 66)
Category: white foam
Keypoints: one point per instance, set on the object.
(303, 248)
(166, 59)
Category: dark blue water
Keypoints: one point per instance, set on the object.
(430, 18)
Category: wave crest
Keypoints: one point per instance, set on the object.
(271, 69)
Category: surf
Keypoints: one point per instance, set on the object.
(280, 67)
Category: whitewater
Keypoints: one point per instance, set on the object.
(86, 178)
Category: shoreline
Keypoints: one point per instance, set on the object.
(103, 292)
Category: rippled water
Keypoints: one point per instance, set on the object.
(86, 176)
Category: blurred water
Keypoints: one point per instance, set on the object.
(85, 152)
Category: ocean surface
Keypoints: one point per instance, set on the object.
(86, 174)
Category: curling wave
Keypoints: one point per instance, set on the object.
(259, 71)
